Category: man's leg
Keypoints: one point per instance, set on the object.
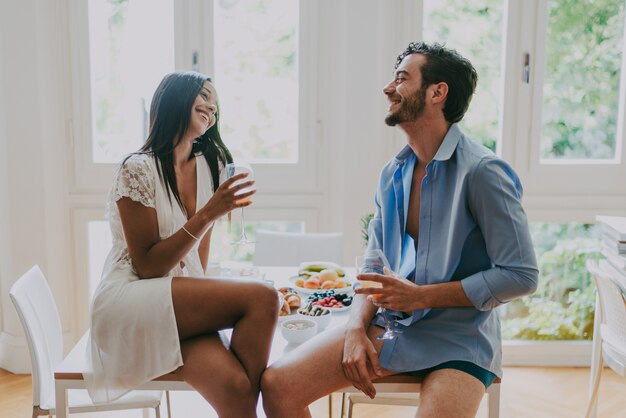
(308, 373)
(450, 393)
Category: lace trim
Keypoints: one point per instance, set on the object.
(135, 180)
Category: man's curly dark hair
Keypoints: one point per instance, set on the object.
(448, 66)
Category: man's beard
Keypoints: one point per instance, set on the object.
(409, 110)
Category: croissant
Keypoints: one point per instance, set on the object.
(293, 300)
(285, 309)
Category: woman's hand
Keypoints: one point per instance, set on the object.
(397, 293)
(360, 360)
(226, 197)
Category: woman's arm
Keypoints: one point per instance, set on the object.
(154, 258)
(205, 247)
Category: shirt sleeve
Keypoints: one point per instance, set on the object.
(375, 228)
(495, 202)
(136, 181)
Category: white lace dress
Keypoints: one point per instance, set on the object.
(134, 337)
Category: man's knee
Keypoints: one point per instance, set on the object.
(270, 384)
(275, 391)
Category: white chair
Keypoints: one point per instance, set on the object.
(609, 331)
(291, 249)
(403, 390)
(38, 314)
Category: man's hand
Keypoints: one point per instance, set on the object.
(360, 359)
(397, 293)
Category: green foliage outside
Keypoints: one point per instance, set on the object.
(582, 75)
(562, 308)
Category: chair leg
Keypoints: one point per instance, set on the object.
(330, 405)
(593, 396)
(596, 361)
(342, 411)
(350, 407)
(157, 411)
(493, 401)
(169, 407)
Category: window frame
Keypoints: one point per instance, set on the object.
(581, 178)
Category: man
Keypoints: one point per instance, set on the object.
(449, 219)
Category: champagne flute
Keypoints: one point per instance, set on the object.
(374, 261)
(232, 169)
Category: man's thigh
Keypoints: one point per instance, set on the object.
(450, 393)
(313, 369)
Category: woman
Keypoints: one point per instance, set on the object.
(152, 313)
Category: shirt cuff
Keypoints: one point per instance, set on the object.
(477, 291)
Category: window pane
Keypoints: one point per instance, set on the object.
(256, 73)
(563, 306)
(226, 232)
(474, 29)
(581, 87)
(122, 83)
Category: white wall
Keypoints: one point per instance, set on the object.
(34, 217)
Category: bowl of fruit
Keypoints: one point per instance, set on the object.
(336, 302)
(321, 275)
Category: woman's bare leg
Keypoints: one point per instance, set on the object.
(218, 376)
(204, 306)
(307, 373)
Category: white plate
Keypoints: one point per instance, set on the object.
(343, 291)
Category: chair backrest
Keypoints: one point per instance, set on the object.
(291, 249)
(38, 314)
(611, 287)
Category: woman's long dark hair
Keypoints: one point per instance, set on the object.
(170, 113)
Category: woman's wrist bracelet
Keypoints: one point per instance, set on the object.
(190, 234)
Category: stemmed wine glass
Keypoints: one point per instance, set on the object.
(374, 261)
(232, 169)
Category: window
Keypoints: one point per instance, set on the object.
(121, 89)
(563, 306)
(572, 106)
(582, 78)
(250, 48)
(256, 66)
(475, 31)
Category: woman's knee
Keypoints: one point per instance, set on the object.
(265, 296)
(238, 386)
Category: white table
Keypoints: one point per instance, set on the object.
(69, 373)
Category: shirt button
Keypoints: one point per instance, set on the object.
(396, 324)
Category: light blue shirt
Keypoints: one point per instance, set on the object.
(472, 228)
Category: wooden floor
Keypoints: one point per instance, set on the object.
(526, 392)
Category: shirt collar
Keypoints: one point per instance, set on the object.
(403, 155)
(449, 144)
(445, 151)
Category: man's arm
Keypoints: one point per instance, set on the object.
(403, 295)
(360, 358)
(494, 200)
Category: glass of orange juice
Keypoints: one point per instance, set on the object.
(374, 261)
(233, 169)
